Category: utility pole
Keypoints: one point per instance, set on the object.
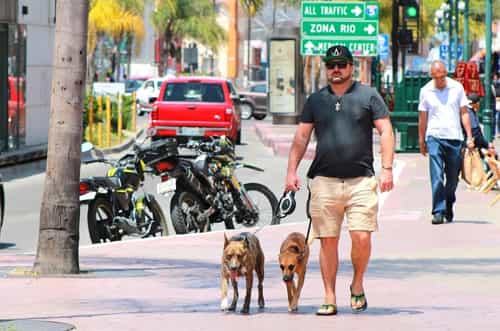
(487, 112)
(455, 33)
(395, 40)
(450, 32)
(466, 31)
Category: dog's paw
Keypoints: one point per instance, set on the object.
(245, 310)
(232, 308)
(224, 304)
(293, 309)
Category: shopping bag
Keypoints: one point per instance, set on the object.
(472, 167)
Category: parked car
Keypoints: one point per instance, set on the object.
(2, 203)
(131, 85)
(195, 107)
(255, 101)
(148, 90)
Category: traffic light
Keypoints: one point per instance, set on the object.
(409, 31)
(410, 9)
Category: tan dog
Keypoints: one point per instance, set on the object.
(242, 255)
(294, 253)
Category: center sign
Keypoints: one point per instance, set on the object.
(352, 24)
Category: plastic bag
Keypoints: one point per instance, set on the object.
(472, 167)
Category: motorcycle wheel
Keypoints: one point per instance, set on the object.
(155, 209)
(266, 202)
(99, 219)
(177, 215)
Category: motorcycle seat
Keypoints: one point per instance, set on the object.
(111, 182)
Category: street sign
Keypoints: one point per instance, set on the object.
(357, 48)
(349, 10)
(325, 28)
(383, 46)
(444, 49)
(328, 23)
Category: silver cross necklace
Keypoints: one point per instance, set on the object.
(337, 105)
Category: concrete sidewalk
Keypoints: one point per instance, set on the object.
(421, 276)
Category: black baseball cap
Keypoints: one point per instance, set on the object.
(338, 53)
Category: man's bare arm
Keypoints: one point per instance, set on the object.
(464, 115)
(384, 128)
(297, 151)
(422, 128)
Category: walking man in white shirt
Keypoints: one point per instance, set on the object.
(442, 107)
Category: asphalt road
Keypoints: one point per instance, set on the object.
(24, 190)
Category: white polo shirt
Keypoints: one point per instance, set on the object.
(443, 109)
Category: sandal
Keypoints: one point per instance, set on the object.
(327, 310)
(358, 298)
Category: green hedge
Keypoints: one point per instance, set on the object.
(127, 103)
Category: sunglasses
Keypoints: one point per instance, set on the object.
(340, 65)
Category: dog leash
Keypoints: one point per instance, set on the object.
(307, 210)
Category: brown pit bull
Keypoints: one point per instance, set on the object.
(241, 256)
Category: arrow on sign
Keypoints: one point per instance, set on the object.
(357, 11)
(309, 47)
(370, 29)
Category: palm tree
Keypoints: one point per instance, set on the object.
(252, 7)
(176, 19)
(121, 20)
(57, 251)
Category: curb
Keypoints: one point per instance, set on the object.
(32, 153)
(39, 152)
(280, 137)
(123, 146)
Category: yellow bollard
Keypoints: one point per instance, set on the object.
(99, 125)
(108, 121)
(91, 119)
(134, 112)
(120, 122)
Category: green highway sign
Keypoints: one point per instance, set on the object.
(327, 23)
(324, 28)
(357, 48)
(348, 10)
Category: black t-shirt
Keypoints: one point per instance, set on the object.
(344, 130)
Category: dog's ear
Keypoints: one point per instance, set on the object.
(226, 241)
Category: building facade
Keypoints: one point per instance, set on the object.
(26, 44)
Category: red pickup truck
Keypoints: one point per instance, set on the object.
(195, 107)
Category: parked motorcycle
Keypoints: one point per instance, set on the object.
(115, 205)
(2, 203)
(206, 190)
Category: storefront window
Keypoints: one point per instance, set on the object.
(12, 98)
(16, 125)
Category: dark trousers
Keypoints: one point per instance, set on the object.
(445, 160)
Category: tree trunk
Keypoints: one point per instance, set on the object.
(57, 251)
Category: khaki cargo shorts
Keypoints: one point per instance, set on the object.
(332, 197)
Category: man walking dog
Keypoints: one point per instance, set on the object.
(343, 115)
